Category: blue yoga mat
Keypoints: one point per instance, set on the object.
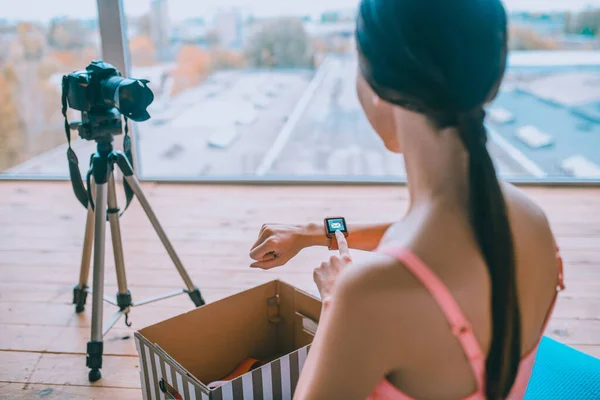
(561, 372)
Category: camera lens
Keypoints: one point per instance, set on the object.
(130, 96)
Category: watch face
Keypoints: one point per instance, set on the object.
(336, 224)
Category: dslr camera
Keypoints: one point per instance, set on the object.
(102, 95)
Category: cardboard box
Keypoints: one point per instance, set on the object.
(274, 323)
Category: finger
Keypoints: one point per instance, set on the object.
(276, 262)
(263, 229)
(342, 243)
(258, 242)
(263, 234)
(259, 253)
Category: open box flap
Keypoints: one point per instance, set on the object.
(304, 303)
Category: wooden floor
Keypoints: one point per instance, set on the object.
(42, 340)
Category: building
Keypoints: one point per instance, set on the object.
(160, 29)
(229, 28)
(193, 30)
(544, 25)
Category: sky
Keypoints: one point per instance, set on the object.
(44, 10)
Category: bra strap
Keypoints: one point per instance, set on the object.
(459, 324)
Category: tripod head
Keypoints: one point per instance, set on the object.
(100, 125)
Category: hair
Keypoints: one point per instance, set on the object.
(446, 59)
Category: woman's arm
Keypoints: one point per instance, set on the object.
(279, 243)
(350, 354)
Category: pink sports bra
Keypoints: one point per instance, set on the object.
(461, 329)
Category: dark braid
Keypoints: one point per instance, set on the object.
(490, 224)
(472, 131)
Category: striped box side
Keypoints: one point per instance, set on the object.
(276, 380)
(157, 367)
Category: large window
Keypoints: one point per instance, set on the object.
(39, 43)
(266, 90)
(255, 91)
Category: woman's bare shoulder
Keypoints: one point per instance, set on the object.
(528, 220)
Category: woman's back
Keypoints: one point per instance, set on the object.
(431, 362)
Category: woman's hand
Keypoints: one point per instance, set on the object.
(277, 244)
(326, 275)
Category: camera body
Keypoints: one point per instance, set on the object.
(85, 87)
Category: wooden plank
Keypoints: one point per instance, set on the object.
(17, 366)
(67, 369)
(28, 193)
(238, 279)
(222, 244)
(52, 314)
(577, 308)
(574, 332)
(18, 391)
(70, 369)
(245, 214)
(56, 339)
(62, 293)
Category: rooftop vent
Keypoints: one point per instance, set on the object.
(534, 138)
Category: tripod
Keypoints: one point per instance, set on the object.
(101, 178)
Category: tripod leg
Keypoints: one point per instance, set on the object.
(80, 291)
(95, 345)
(123, 296)
(192, 291)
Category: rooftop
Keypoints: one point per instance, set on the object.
(554, 59)
(565, 107)
(295, 122)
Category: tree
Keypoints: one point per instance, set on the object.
(212, 38)
(223, 58)
(330, 16)
(193, 66)
(30, 120)
(585, 23)
(142, 51)
(31, 41)
(282, 42)
(71, 60)
(337, 44)
(144, 27)
(521, 38)
(11, 129)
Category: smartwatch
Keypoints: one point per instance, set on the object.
(333, 224)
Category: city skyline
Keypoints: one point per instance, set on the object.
(30, 10)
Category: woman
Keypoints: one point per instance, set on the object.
(436, 313)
